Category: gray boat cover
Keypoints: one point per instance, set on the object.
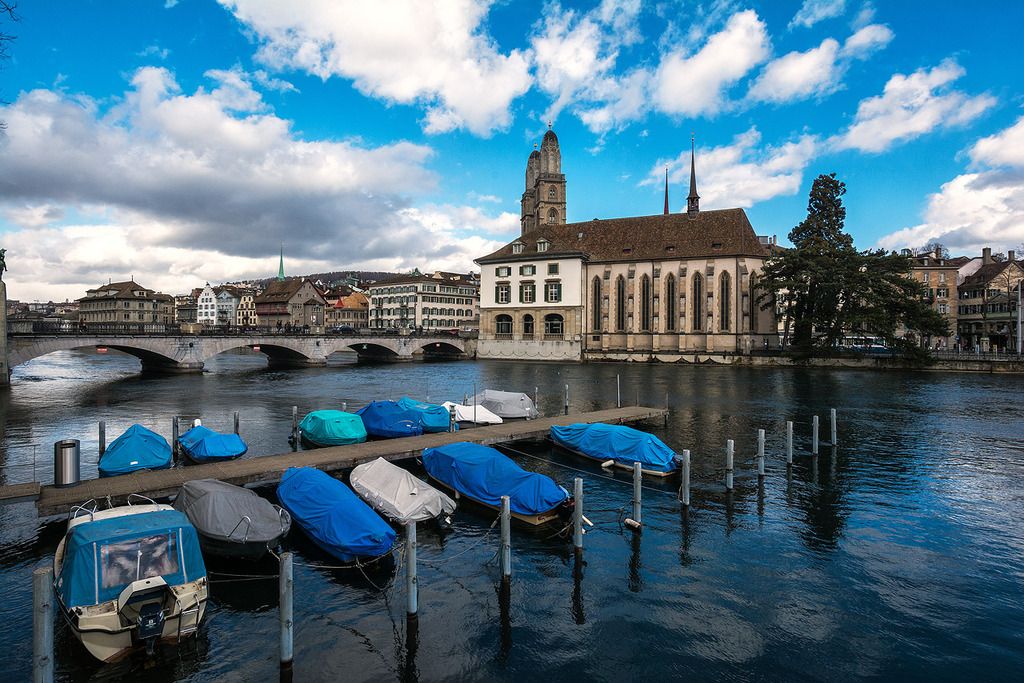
(506, 403)
(218, 509)
(397, 494)
(476, 414)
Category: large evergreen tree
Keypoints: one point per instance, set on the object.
(827, 289)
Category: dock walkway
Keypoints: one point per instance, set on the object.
(51, 500)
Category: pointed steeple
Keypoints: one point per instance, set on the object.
(280, 266)
(666, 190)
(693, 200)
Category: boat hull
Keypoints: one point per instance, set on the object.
(616, 464)
(251, 551)
(539, 519)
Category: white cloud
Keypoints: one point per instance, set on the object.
(740, 174)
(976, 210)
(813, 11)
(204, 186)
(799, 75)
(911, 106)
(695, 84)
(867, 40)
(432, 53)
(154, 51)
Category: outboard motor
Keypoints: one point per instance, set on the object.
(150, 625)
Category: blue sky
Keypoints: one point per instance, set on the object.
(182, 142)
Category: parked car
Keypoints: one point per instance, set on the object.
(343, 329)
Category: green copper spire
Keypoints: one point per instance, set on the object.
(280, 267)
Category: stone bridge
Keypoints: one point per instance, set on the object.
(188, 353)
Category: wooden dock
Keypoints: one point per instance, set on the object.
(51, 500)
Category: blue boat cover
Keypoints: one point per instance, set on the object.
(205, 445)
(333, 428)
(332, 515)
(485, 475)
(617, 442)
(104, 556)
(137, 449)
(389, 420)
(433, 417)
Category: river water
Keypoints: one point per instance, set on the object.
(897, 555)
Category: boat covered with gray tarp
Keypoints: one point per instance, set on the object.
(506, 404)
(232, 521)
(398, 495)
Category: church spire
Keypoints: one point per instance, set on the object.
(693, 201)
(280, 265)
(666, 190)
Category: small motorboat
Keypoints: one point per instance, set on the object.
(506, 404)
(201, 444)
(232, 521)
(477, 414)
(388, 420)
(332, 428)
(136, 449)
(433, 417)
(399, 496)
(336, 519)
(484, 475)
(129, 577)
(620, 444)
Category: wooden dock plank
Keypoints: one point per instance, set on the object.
(267, 469)
(20, 493)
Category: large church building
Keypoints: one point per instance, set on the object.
(668, 287)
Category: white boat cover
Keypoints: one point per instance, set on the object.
(397, 494)
(477, 414)
(506, 403)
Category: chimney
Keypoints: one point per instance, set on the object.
(1011, 255)
(986, 255)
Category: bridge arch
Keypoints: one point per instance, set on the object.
(152, 356)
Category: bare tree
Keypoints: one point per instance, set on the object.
(7, 8)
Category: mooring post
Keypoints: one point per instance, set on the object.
(684, 484)
(411, 587)
(832, 419)
(618, 392)
(789, 442)
(236, 422)
(103, 437)
(638, 481)
(566, 399)
(295, 426)
(451, 419)
(284, 585)
(506, 541)
(577, 514)
(814, 435)
(536, 396)
(175, 431)
(729, 446)
(760, 453)
(42, 625)
(344, 406)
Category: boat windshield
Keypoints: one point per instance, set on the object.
(139, 558)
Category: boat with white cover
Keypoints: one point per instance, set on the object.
(477, 414)
(398, 495)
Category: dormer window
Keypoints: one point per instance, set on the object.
(542, 245)
(517, 248)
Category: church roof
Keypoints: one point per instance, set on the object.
(709, 234)
(549, 136)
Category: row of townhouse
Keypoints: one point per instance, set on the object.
(426, 302)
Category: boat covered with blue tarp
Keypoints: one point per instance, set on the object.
(484, 475)
(433, 417)
(136, 449)
(333, 516)
(201, 444)
(388, 420)
(332, 428)
(619, 443)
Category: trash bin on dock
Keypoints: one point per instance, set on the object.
(66, 462)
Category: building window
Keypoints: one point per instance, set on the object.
(542, 245)
(552, 193)
(724, 308)
(503, 325)
(503, 271)
(502, 293)
(645, 303)
(620, 304)
(552, 269)
(698, 301)
(517, 248)
(552, 216)
(553, 292)
(596, 304)
(527, 293)
(553, 325)
(527, 325)
(527, 270)
(670, 303)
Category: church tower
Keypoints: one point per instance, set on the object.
(693, 201)
(544, 201)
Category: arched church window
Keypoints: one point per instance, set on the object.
(552, 193)
(724, 308)
(552, 217)
(698, 301)
(620, 304)
(670, 303)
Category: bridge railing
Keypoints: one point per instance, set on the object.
(17, 327)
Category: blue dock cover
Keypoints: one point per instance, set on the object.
(333, 516)
(104, 556)
(388, 420)
(485, 475)
(622, 444)
(332, 428)
(205, 445)
(136, 449)
(433, 417)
